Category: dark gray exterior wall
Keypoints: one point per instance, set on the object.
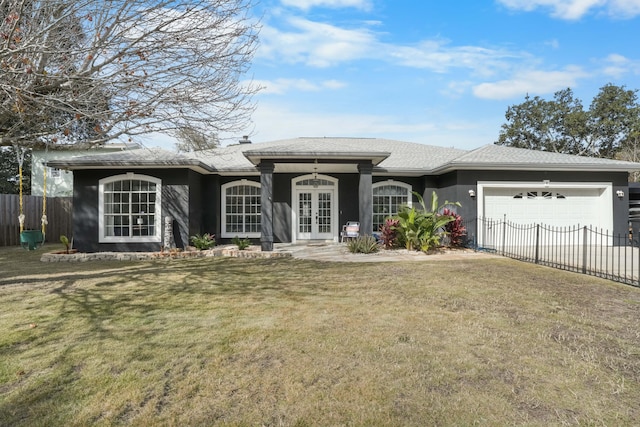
(176, 202)
(210, 196)
(194, 200)
(266, 205)
(348, 202)
(85, 210)
(282, 207)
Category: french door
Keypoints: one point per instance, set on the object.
(315, 214)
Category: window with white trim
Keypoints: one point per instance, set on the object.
(388, 198)
(241, 209)
(129, 208)
(55, 172)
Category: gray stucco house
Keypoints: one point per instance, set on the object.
(304, 189)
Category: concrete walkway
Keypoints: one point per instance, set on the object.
(338, 252)
(331, 252)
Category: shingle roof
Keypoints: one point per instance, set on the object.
(139, 158)
(390, 156)
(502, 157)
(398, 155)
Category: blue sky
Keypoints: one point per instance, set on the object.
(430, 71)
(433, 72)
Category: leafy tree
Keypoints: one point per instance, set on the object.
(9, 178)
(562, 125)
(93, 70)
(631, 152)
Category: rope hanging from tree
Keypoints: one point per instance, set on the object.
(20, 152)
(43, 220)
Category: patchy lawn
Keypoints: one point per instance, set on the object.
(224, 341)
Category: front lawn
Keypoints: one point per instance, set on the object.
(225, 341)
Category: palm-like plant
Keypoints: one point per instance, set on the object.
(423, 228)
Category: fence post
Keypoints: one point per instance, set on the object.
(504, 233)
(584, 250)
(537, 243)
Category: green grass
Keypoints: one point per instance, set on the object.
(237, 342)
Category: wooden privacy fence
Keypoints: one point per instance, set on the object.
(58, 215)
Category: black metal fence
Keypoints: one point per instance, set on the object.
(581, 249)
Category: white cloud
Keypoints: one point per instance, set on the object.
(533, 82)
(315, 44)
(323, 45)
(282, 86)
(617, 66)
(576, 9)
(437, 56)
(334, 4)
(625, 8)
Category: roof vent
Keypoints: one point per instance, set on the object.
(245, 140)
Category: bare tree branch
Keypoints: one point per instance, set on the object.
(92, 70)
(192, 140)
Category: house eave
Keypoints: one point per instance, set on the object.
(257, 156)
(380, 171)
(236, 172)
(196, 166)
(557, 167)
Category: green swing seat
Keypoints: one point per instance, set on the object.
(31, 239)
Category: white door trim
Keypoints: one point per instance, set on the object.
(296, 189)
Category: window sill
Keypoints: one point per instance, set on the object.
(240, 235)
(145, 239)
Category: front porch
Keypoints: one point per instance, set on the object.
(330, 192)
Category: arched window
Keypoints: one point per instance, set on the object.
(388, 197)
(241, 209)
(129, 208)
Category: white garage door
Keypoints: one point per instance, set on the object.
(560, 206)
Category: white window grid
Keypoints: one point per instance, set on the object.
(130, 209)
(241, 210)
(388, 198)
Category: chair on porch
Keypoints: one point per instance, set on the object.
(350, 230)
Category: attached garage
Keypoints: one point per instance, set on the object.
(561, 205)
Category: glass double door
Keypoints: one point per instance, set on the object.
(315, 211)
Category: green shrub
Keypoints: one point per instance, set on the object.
(422, 229)
(242, 244)
(363, 245)
(65, 241)
(204, 241)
